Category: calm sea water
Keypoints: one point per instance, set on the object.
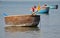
(49, 26)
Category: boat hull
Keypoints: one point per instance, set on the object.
(23, 20)
(44, 11)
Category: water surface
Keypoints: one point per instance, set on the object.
(49, 26)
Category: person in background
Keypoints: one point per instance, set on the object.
(44, 6)
(34, 10)
(38, 7)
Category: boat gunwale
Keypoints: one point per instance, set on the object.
(22, 15)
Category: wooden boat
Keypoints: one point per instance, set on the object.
(22, 20)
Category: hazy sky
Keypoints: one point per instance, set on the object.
(29, 0)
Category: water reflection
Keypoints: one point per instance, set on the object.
(20, 29)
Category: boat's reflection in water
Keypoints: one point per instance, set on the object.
(20, 29)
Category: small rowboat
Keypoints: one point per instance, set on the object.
(22, 20)
(44, 11)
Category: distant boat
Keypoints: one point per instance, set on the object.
(22, 20)
(53, 6)
(44, 11)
